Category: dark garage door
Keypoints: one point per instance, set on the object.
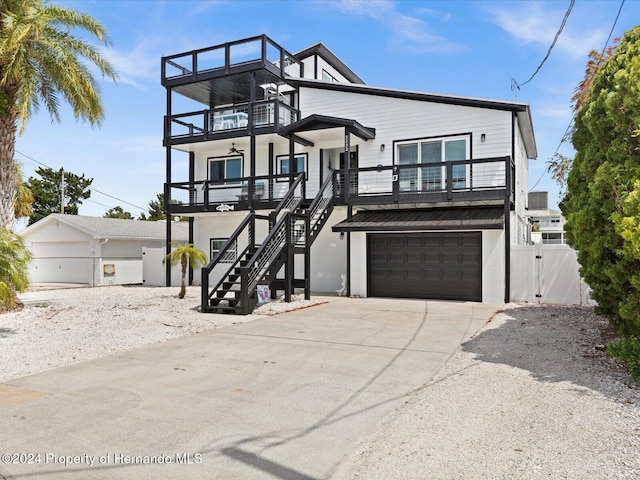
(445, 266)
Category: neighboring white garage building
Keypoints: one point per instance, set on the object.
(92, 250)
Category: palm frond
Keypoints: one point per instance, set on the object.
(40, 55)
(195, 256)
(14, 260)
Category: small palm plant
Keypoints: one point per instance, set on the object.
(14, 261)
(186, 254)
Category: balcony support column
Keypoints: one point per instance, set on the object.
(346, 179)
(167, 189)
(252, 168)
(348, 285)
(192, 200)
(292, 150)
(271, 163)
(252, 102)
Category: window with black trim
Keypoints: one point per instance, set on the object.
(223, 168)
(300, 164)
(432, 151)
(230, 255)
(327, 77)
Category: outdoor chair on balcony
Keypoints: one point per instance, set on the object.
(258, 192)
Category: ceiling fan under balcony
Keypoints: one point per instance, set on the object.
(233, 149)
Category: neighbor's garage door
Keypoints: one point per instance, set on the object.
(444, 266)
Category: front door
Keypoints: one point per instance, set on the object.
(353, 176)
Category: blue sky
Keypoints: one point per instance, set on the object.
(469, 48)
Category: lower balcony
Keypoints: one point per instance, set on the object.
(464, 182)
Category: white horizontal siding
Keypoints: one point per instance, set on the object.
(520, 228)
(394, 120)
(402, 119)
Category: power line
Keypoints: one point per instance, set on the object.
(514, 83)
(90, 188)
(573, 116)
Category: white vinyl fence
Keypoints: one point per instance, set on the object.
(547, 274)
(154, 271)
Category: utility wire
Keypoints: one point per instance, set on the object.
(90, 188)
(514, 83)
(573, 116)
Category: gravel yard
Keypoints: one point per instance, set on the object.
(531, 396)
(65, 326)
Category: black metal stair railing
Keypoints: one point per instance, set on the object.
(225, 280)
(221, 266)
(292, 199)
(321, 207)
(262, 263)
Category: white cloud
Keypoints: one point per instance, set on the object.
(531, 23)
(409, 33)
(142, 144)
(138, 65)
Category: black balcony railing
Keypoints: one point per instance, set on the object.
(229, 194)
(441, 182)
(209, 124)
(482, 180)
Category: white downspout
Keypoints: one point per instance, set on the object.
(97, 263)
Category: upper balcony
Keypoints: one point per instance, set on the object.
(261, 116)
(243, 85)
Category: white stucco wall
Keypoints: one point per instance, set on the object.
(359, 264)
(328, 253)
(329, 256)
(493, 266)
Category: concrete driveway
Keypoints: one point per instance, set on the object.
(281, 397)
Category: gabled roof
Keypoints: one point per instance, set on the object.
(332, 59)
(320, 122)
(116, 228)
(520, 110)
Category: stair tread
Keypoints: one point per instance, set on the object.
(226, 300)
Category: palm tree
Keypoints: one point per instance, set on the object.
(186, 254)
(40, 60)
(14, 260)
(23, 206)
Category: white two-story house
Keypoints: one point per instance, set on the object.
(297, 175)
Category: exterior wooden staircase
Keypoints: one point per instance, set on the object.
(230, 281)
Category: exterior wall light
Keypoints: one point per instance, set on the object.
(483, 137)
(382, 147)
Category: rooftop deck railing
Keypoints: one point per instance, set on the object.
(260, 50)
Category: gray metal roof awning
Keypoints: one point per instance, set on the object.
(469, 218)
(321, 122)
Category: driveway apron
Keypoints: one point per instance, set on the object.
(283, 397)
